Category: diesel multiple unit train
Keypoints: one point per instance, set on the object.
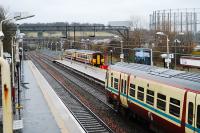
(94, 58)
(164, 98)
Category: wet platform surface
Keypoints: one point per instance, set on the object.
(36, 115)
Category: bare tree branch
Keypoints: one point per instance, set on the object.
(7, 30)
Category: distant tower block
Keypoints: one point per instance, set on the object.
(176, 20)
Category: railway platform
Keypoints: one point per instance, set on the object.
(43, 111)
(92, 71)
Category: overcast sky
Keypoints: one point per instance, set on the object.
(91, 11)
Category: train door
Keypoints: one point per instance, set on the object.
(197, 114)
(98, 59)
(107, 79)
(190, 112)
(123, 89)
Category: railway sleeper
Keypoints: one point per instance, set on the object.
(83, 118)
(78, 110)
(90, 121)
(83, 115)
(92, 125)
(95, 130)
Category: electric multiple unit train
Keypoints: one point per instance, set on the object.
(94, 58)
(166, 98)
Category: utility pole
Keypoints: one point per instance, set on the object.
(122, 54)
(74, 35)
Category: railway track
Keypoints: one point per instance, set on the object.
(100, 107)
(90, 84)
(87, 119)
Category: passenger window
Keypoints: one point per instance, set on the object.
(150, 97)
(140, 93)
(190, 113)
(174, 107)
(198, 116)
(116, 84)
(107, 79)
(132, 90)
(122, 85)
(161, 101)
(111, 81)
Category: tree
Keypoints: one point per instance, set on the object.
(8, 30)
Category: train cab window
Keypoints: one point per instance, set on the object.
(174, 107)
(150, 97)
(132, 90)
(198, 116)
(190, 113)
(111, 82)
(161, 101)
(140, 93)
(116, 83)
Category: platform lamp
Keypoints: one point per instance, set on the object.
(111, 52)
(176, 41)
(51, 46)
(18, 60)
(122, 53)
(167, 59)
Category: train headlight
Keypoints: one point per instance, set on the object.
(94, 61)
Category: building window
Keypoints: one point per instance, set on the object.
(174, 107)
(150, 97)
(140, 93)
(116, 83)
(190, 113)
(198, 116)
(161, 101)
(132, 90)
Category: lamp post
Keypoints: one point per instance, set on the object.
(62, 40)
(21, 57)
(111, 56)
(176, 41)
(47, 45)
(167, 59)
(19, 65)
(51, 45)
(21, 36)
(122, 53)
(61, 45)
(12, 56)
(56, 45)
